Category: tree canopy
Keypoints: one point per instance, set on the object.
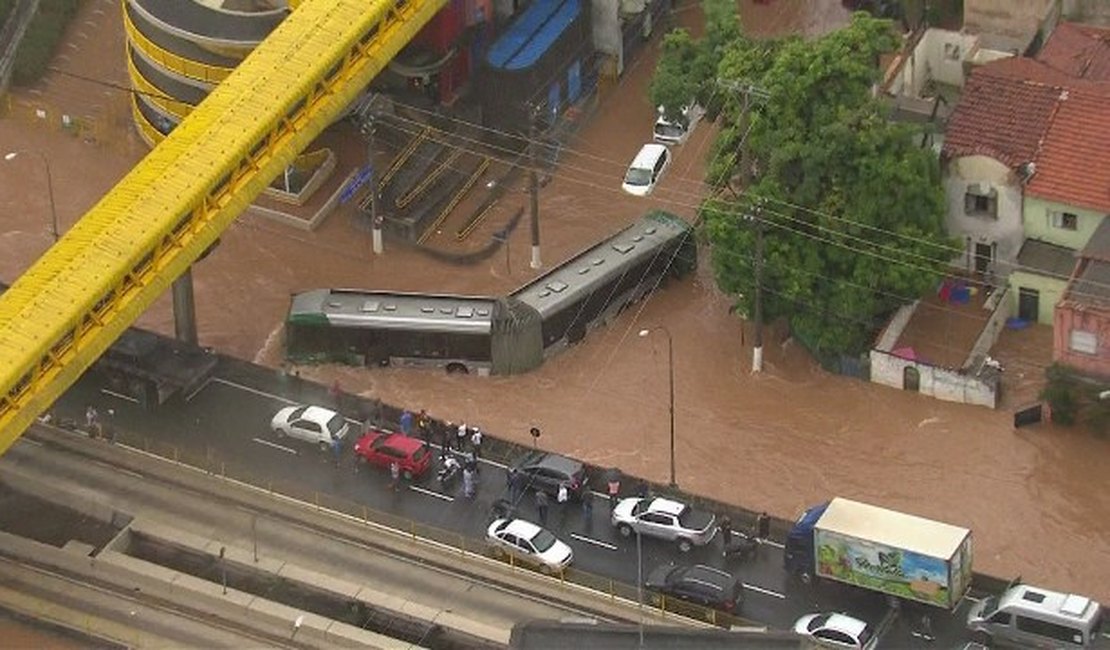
(852, 208)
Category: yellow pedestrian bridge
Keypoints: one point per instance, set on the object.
(64, 311)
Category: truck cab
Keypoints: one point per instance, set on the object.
(798, 557)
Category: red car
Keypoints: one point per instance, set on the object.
(382, 449)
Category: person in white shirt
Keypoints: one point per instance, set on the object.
(476, 443)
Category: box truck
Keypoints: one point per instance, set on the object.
(882, 550)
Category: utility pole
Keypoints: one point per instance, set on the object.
(534, 186)
(375, 217)
(757, 349)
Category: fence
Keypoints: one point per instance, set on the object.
(420, 533)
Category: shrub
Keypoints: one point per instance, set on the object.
(1076, 399)
(42, 38)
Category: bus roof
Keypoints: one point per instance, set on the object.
(391, 310)
(597, 264)
(891, 528)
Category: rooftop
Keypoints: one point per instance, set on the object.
(1092, 286)
(1005, 110)
(1044, 258)
(1080, 51)
(1098, 246)
(1073, 164)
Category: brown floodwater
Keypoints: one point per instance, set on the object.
(1036, 499)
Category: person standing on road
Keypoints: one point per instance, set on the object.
(614, 486)
(460, 437)
(406, 422)
(394, 475)
(476, 443)
(541, 506)
(762, 527)
(469, 480)
(423, 426)
(588, 508)
(726, 531)
(92, 420)
(445, 435)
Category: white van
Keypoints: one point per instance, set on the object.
(646, 169)
(675, 133)
(1030, 617)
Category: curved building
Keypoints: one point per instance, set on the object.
(178, 50)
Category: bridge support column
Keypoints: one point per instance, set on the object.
(184, 308)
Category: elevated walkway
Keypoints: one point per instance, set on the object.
(65, 311)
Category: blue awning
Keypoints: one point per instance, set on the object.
(530, 36)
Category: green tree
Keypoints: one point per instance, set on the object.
(852, 208)
(687, 67)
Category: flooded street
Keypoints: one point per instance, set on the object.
(794, 435)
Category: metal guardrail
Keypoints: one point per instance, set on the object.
(419, 531)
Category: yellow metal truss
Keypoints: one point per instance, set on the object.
(64, 311)
(169, 60)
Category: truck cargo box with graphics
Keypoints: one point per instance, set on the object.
(885, 551)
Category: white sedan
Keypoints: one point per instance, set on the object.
(313, 424)
(526, 542)
(837, 631)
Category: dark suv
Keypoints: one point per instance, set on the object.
(698, 584)
(539, 470)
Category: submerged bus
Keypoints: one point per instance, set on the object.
(492, 335)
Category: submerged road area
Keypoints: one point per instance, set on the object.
(224, 429)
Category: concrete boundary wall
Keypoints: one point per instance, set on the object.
(199, 596)
(426, 551)
(944, 384)
(344, 589)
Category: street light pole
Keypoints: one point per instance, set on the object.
(670, 374)
(49, 189)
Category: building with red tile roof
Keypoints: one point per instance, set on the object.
(1073, 160)
(1079, 51)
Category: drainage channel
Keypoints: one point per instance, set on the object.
(297, 595)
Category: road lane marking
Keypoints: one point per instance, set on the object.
(431, 493)
(763, 591)
(119, 395)
(121, 470)
(248, 389)
(276, 446)
(595, 542)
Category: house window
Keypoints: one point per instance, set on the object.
(1083, 342)
(981, 202)
(1065, 220)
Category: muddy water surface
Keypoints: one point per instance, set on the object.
(789, 437)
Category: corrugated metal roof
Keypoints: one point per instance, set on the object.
(1048, 259)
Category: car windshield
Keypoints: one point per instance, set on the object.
(335, 424)
(819, 622)
(297, 413)
(989, 605)
(669, 129)
(685, 516)
(420, 454)
(543, 540)
(864, 635)
(637, 176)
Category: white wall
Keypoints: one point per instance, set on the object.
(606, 26)
(1005, 231)
(945, 385)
